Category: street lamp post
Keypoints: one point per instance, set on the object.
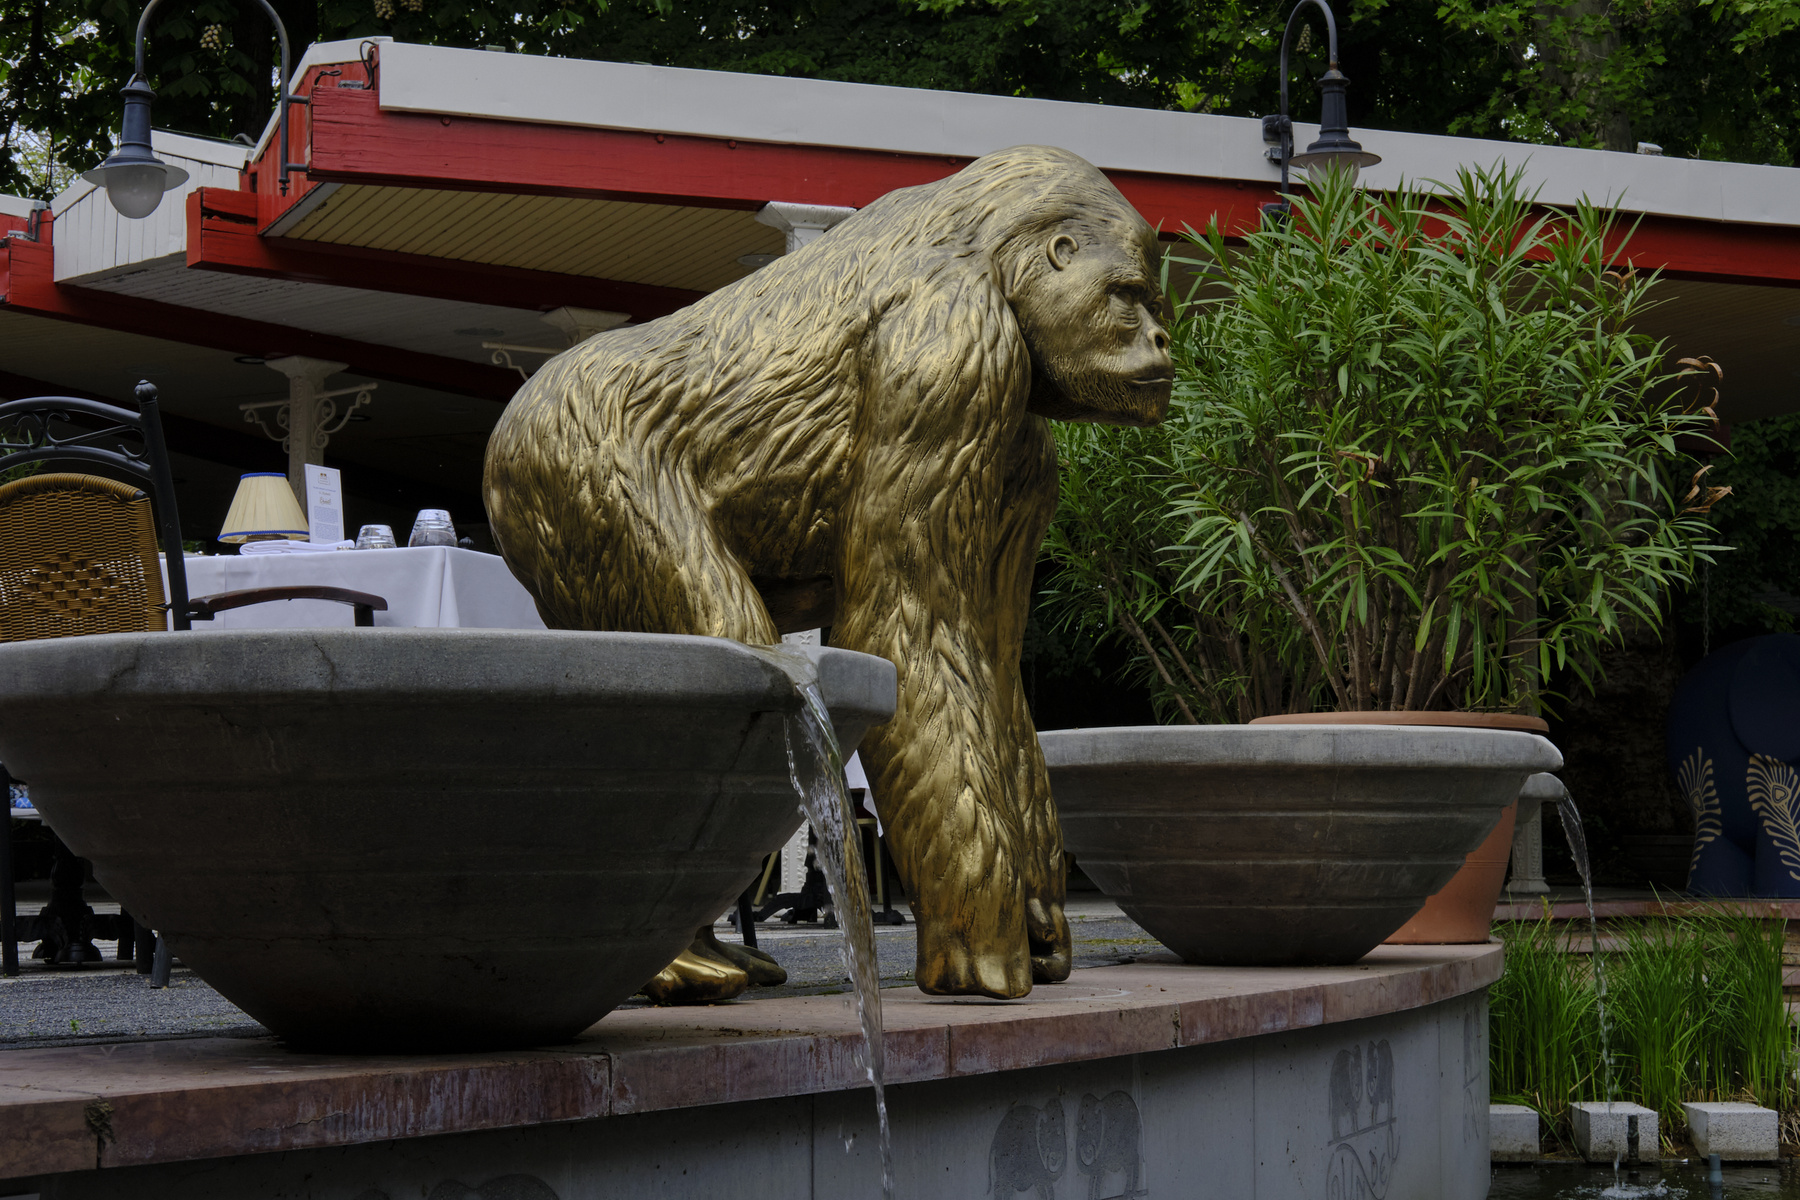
(1334, 149)
(134, 178)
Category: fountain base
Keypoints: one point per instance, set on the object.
(1151, 1079)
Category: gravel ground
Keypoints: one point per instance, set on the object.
(60, 1008)
(43, 1007)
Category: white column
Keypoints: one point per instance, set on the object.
(803, 223)
(1528, 856)
(305, 421)
(580, 324)
(306, 379)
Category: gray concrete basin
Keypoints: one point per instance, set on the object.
(1281, 844)
(408, 839)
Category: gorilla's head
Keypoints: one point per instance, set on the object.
(1088, 302)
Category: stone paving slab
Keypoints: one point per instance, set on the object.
(1512, 1133)
(78, 1107)
(1602, 1130)
(1735, 1131)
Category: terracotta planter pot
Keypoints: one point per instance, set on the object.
(1462, 911)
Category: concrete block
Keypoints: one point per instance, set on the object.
(1512, 1133)
(1603, 1130)
(1735, 1132)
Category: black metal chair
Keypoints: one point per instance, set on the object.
(78, 555)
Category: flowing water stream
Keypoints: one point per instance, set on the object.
(1572, 828)
(816, 765)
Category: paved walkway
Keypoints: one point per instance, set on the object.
(56, 1007)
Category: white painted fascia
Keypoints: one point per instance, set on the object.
(231, 155)
(59, 203)
(16, 206)
(202, 149)
(766, 108)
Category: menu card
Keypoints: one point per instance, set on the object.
(324, 504)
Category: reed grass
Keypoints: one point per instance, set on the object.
(1747, 969)
(1694, 1010)
(1659, 1010)
(1544, 1038)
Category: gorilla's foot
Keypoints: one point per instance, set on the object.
(696, 977)
(762, 970)
(1047, 929)
(950, 964)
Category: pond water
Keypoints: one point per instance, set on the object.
(1673, 1180)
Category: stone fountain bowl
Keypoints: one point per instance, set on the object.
(420, 839)
(1281, 844)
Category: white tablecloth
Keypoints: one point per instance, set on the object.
(425, 587)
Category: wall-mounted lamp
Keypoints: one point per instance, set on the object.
(134, 178)
(1334, 149)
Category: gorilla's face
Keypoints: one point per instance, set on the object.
(1090, 312)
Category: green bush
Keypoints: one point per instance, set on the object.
(1417, 459)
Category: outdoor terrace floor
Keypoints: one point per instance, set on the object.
(57, 1006)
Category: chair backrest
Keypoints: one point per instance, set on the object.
(77, 555)
(71, 429)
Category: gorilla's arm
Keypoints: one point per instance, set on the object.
(921, 532)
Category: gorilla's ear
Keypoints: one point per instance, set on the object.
(1061, 250)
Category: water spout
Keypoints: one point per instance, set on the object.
(816, 766)
(1578, 850)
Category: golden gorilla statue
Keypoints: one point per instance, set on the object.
(855, 436)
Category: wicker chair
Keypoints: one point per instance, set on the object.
(78, 555)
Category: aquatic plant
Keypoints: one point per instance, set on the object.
(1695, 1009)
(1748, 970)
(1543, 1031)
(1659, 1005)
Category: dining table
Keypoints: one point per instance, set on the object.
(425, 587)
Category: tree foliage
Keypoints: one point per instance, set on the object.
(1707, 78)
(1710, 77)
(1416, 460)
(1755, 588)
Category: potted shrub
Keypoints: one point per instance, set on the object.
(1417, 459)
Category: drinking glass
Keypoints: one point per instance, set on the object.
(433, 528)
(375, 537)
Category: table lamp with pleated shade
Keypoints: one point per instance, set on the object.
(264, 509)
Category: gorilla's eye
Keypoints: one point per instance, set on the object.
(1124, 307)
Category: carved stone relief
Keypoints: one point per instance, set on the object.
(1365, 1134)
(1031, 1151)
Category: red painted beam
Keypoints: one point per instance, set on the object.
(222, 236)
(26, 285)
(353, 140)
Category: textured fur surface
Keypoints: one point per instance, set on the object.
(862, 410)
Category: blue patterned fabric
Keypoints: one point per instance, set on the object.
(1734, 748)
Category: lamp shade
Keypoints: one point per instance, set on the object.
(134, 178)
(1334, 150)
(264, 508)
